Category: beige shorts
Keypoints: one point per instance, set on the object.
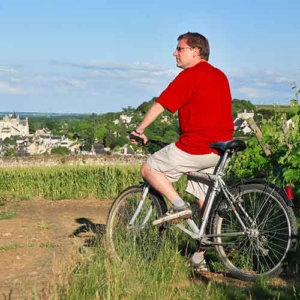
(173, 163)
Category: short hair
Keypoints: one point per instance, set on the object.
(197, 40)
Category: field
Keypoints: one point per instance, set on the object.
(272, 109)
(49, 248)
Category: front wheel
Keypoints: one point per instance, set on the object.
(271, 227)
(131, 234)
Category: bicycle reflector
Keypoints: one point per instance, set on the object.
(289, 192)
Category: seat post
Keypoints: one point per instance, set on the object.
(223, 161)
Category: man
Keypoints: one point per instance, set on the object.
(201, 95)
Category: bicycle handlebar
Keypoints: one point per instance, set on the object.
(149, 141)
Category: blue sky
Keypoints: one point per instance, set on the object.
(102, 56)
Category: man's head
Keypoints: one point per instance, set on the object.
(192, 48)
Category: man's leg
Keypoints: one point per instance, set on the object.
(160, 170)
(160, 182)
(201, 206)
(199, 189)
(197, 260)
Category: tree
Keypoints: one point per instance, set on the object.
(10, 152)
(121, 141)
(241, 105)
(128, 110)
(109, 140)
(170, 136)
(144, 107)
(9, 141)
(100, 132)
(89, 140)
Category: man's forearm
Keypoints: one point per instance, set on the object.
(155, 110)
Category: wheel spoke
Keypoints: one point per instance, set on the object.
(134, 237)
(268, 235)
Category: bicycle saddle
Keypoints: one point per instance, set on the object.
(236, 145)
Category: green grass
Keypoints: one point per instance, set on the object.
(275, 108)
(69, 182)
(11, 247)
(166, 278)
(44, 225)
(48, 245)
(7, 215)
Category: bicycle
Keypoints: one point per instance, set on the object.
(251, 223)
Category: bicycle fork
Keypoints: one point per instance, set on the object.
(139, 208)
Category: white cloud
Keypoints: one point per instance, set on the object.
(60, 80)
(115, 69)
(7, 69)
(15, 80)
(112, 79)
(282, 79)
(249, 92)
(108, 65)
(261, 77)
(145, 81)
(262, 95)
(7, 88)
(261, 84)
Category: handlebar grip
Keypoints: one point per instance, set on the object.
(149, 141)
(136, 138)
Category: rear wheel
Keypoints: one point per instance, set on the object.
(139, 239)
(271, 227)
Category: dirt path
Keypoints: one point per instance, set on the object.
(42, 234)
(39, 236)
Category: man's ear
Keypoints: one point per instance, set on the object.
(196, 52)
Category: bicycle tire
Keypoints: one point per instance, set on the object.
(272, 233)
(138, 241)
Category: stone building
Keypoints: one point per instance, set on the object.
(12, 125)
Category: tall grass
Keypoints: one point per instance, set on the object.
(69, 182)
(101, 278)
(166, 278)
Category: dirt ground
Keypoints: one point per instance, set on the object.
(40, 236)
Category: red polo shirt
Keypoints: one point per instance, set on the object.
(201, 94)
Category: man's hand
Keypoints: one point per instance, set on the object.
(139, 137)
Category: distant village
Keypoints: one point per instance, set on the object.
(43, 141)
(40, 142)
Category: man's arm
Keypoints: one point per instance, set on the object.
(155, 110)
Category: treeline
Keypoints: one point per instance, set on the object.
(102, 129)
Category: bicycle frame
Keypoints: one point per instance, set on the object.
(219, 184)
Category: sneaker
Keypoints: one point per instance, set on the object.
(175, 213)
(200, 264)
(199, 267)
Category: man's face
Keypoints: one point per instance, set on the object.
(184, 55)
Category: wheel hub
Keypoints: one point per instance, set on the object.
(253, 232)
